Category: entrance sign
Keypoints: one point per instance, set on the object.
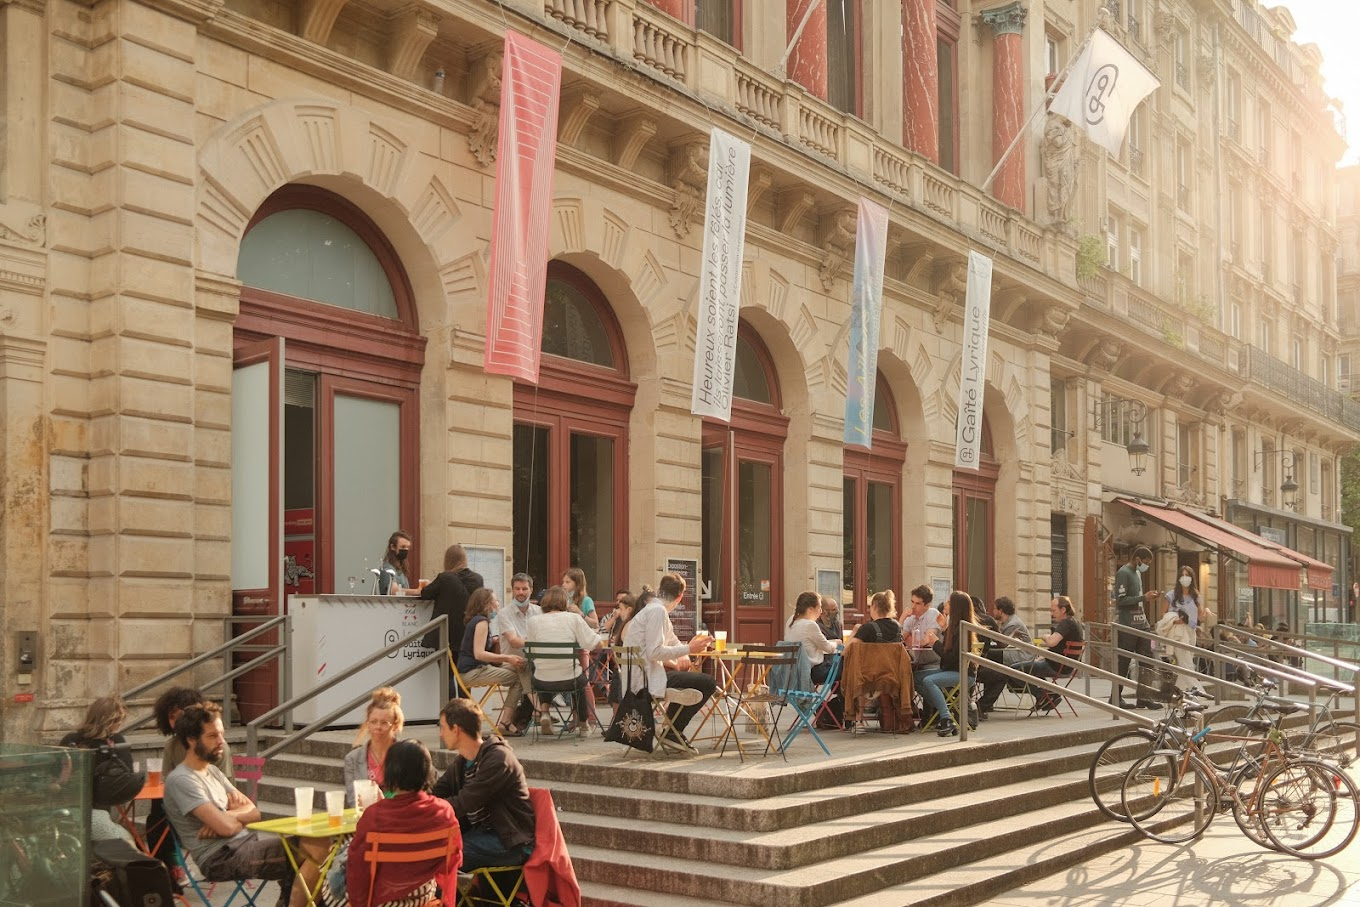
(973, 368)
(715, 353)
(531, 80)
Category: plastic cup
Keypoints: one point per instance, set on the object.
(302, 798)
(335, 807)
(719, 640)
(153, 771)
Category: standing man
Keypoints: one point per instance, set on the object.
(485, 785)
(512, 621)
(1129, 599)
(210, 816)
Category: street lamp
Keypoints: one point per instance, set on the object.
(1289, 489)
(1138, 449)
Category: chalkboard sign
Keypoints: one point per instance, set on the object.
(684, 619)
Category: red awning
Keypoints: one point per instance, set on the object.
(1319, 572)
(1266, 568)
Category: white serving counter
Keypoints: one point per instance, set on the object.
(333, 632)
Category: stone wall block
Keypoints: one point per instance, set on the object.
(221, 61)
(68, 475)
(154, 194)
(157, 439)
(212, 556)
(212, 340)
(156, 478)
(212, 521)
(77, 233)
(157, 71)
(67, 514)
(212, 371)
(212, 409)
(147, 555)
(169, 287)
(68, 596)
(212, 447)
(68, 435)
(156, 154)
(101, 514)
(156, 237)
(155, 30)
(68, 555)
(148, 638)
(212, 486)
(212, 599)
(156, 516)
(157, 399)
(81, 149)
(75, 105)
(154, 360)
(70, 355)
(103, 467)
(67, 281)
(155, 112)
(221, 101)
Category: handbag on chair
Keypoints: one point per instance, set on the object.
(634, 723)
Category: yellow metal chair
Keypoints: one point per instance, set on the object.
(488, 690)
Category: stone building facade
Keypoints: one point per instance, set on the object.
(206, 203)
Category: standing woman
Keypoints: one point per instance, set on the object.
(481, 664)
(382, 725)
(932, 684)
(394, 562)
(1186, 597)
(450, 591)
(574, 584)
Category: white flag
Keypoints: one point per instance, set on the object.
(729, 168)
(977, 316)
(1102, 89)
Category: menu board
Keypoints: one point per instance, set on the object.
(684, 619)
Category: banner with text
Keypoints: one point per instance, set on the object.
(973, 370)
(729, 165)
(531, 80)
(866, 307)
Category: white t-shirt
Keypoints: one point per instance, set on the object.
(814, 641)
(560, 626)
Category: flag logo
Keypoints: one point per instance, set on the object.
(1101, 87)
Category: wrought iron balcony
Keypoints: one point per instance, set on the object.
(1265, 370)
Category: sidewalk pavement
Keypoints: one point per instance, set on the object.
(1223, 867)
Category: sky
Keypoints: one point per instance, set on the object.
(1332, 25)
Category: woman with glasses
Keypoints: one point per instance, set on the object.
(382, 726)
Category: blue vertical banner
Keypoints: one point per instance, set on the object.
(866, 307)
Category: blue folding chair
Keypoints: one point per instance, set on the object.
(808, 704)
(242, 885)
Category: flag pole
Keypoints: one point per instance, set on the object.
(780, 69)
(1049, 93)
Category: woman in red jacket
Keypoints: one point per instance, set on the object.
(407, 772)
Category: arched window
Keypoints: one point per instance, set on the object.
(325, 458)
(743, 477)
(872, 506)
(571, 443)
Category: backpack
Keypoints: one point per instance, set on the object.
(129, 876)
(115, 780)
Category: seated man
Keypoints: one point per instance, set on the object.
(1065, 630)
(922, 620)
(993, 682)
(210, 815)
(486, 787)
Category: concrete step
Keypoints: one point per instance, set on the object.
(598, 894)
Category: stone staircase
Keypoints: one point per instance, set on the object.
(886, 820)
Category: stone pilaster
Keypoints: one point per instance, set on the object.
(807, 59)
(920, 79)
(1008, 100)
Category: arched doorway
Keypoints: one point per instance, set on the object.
(872, 507)
(327, 361)
(742, 520)
(571, 443)
(975, 522)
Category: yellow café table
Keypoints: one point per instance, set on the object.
(318, 826)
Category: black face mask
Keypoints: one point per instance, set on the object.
(402, 552)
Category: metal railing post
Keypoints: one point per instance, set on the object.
(286, 682)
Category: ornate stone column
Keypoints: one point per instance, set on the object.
(807, 60)
(1008, 100)
(920, 79)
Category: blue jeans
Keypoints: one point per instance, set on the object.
(483, 848)
(932, 686)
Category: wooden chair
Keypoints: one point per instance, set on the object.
(405, 848)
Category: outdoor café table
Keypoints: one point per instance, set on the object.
(127, 816)
(723, 703)
(318, 826)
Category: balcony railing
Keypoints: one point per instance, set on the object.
(1268, 372)
(673, 51)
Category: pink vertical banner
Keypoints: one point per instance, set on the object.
(531, 84)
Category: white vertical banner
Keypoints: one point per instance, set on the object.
(973, 370)
(866, 307)
(715, 353)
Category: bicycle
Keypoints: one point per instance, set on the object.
(1325, 735)
(1305, 807)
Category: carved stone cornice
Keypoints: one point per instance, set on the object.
(1179, 385)
(633, 135)
(792, 204)
(762, 178)
(1053, 320)
(411, 31)
(1105, 355)
(837, 228)
(951, 283)
(33, 232)
(579, 103)
(316, 18)
(688, 169)
(1005, 20)
(484, 96)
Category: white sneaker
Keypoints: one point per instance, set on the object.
(684, 697)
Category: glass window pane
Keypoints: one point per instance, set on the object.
(977, 542)
(712, 528)
(748, 378)
(948, 100)
(530, 506)
(367, 481)
(716, 17)
(842, 31)
(592, 511)
(755, 512)
(848, 520)
(882, 409)
(881, 536)
(572, 328)
(314, 256)
(299, 440)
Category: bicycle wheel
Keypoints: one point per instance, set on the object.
(1111, 763)
(1169, 804)
(1333, 741)
(1244, 810)
(1230, 754)
(1309, 809)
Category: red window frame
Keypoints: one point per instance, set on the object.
(947, 27)
(881, 464)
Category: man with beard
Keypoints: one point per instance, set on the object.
(210, 815)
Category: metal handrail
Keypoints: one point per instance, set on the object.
(225, 649)
(1274, 645)
(438, 658)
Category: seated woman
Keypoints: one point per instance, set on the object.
(103, 719)
(883, 625)
(411, 810)
(554, 675)
(480, 664)
(932, 684)
(804, 630)
(383, 720)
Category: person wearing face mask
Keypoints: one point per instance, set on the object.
(1128, 604)
(392, 570)
(481, 664)
(1186, 597)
